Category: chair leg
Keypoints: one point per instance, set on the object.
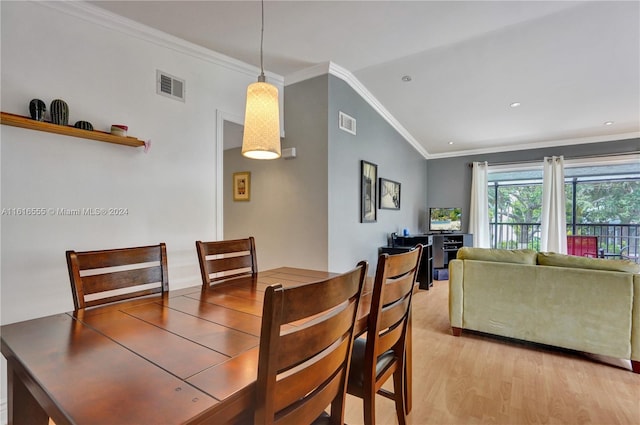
(337, 410)
(369, 402)
(399, 395)
(408, 367)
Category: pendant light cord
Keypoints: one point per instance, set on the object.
(262, 78)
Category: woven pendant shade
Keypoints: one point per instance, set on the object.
(261, 138)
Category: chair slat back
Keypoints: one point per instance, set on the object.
(303, 367)
(105, 276)
(118, 280)
(391, 305)
(223, 260)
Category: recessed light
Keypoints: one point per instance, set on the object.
(451, 143)
(406, 78)
(608, 123)
(515, 104)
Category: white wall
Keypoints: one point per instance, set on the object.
(106, 76)
(106, 72)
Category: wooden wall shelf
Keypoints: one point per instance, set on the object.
(26, 122)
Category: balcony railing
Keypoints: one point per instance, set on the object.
(614, 240)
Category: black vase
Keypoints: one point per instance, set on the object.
(83, 125)
(37, 108)
(59, 112)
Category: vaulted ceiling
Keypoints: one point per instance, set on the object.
(573, 67)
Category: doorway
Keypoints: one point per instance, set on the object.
(229, 131)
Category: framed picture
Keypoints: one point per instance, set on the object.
(242, 186)
(368, 191)
(389, 194)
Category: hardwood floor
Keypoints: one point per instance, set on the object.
(475, 379)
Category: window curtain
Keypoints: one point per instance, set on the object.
(479, 211)
(553, 230)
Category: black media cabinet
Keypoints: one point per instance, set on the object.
(404, 244)
(444, 248)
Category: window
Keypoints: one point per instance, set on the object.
(603, 199)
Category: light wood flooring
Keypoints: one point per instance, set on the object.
(477, 379)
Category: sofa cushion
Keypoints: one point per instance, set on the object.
(562, 260)
(517, 256)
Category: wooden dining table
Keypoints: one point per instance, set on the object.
(189, 356)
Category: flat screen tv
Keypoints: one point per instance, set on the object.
(445, 219)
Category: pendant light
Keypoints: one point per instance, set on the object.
(261, 139)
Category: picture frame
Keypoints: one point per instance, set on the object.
(368, 192)
(242, 186)
(389, 194)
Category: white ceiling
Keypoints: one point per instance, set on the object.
(572, 65)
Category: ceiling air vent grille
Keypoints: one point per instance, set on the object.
(347, 123)
(170, 86)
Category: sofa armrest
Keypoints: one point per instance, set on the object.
(456, 274)
(635, 321)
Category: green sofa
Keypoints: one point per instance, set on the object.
(590, 305)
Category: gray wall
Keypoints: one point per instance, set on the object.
(449, 179)
(377, 142)
(287, 213)
(305, 212)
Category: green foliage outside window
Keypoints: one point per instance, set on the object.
(518, 208)
(611, 202)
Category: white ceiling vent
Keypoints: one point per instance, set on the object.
(170, 86)
(346, 123)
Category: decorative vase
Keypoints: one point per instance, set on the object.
(59, 112)
(119, 130)
(37, 108)
(84, 125)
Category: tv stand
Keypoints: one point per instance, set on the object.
(446, 246)
(439, 249)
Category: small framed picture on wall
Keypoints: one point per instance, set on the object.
(242, 186)
(389, 194)
(368, 191)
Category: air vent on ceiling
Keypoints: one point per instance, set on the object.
(170, 86)
(346, 123)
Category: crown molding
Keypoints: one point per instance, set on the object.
(355, 84)
(307, 73)
(346, 76)
(106, 19)
(540, 145)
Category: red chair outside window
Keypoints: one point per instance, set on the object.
(583, 246)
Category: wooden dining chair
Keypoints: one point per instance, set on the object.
(302, 368)
(222, 260)
(383, 353)
(101, 277)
